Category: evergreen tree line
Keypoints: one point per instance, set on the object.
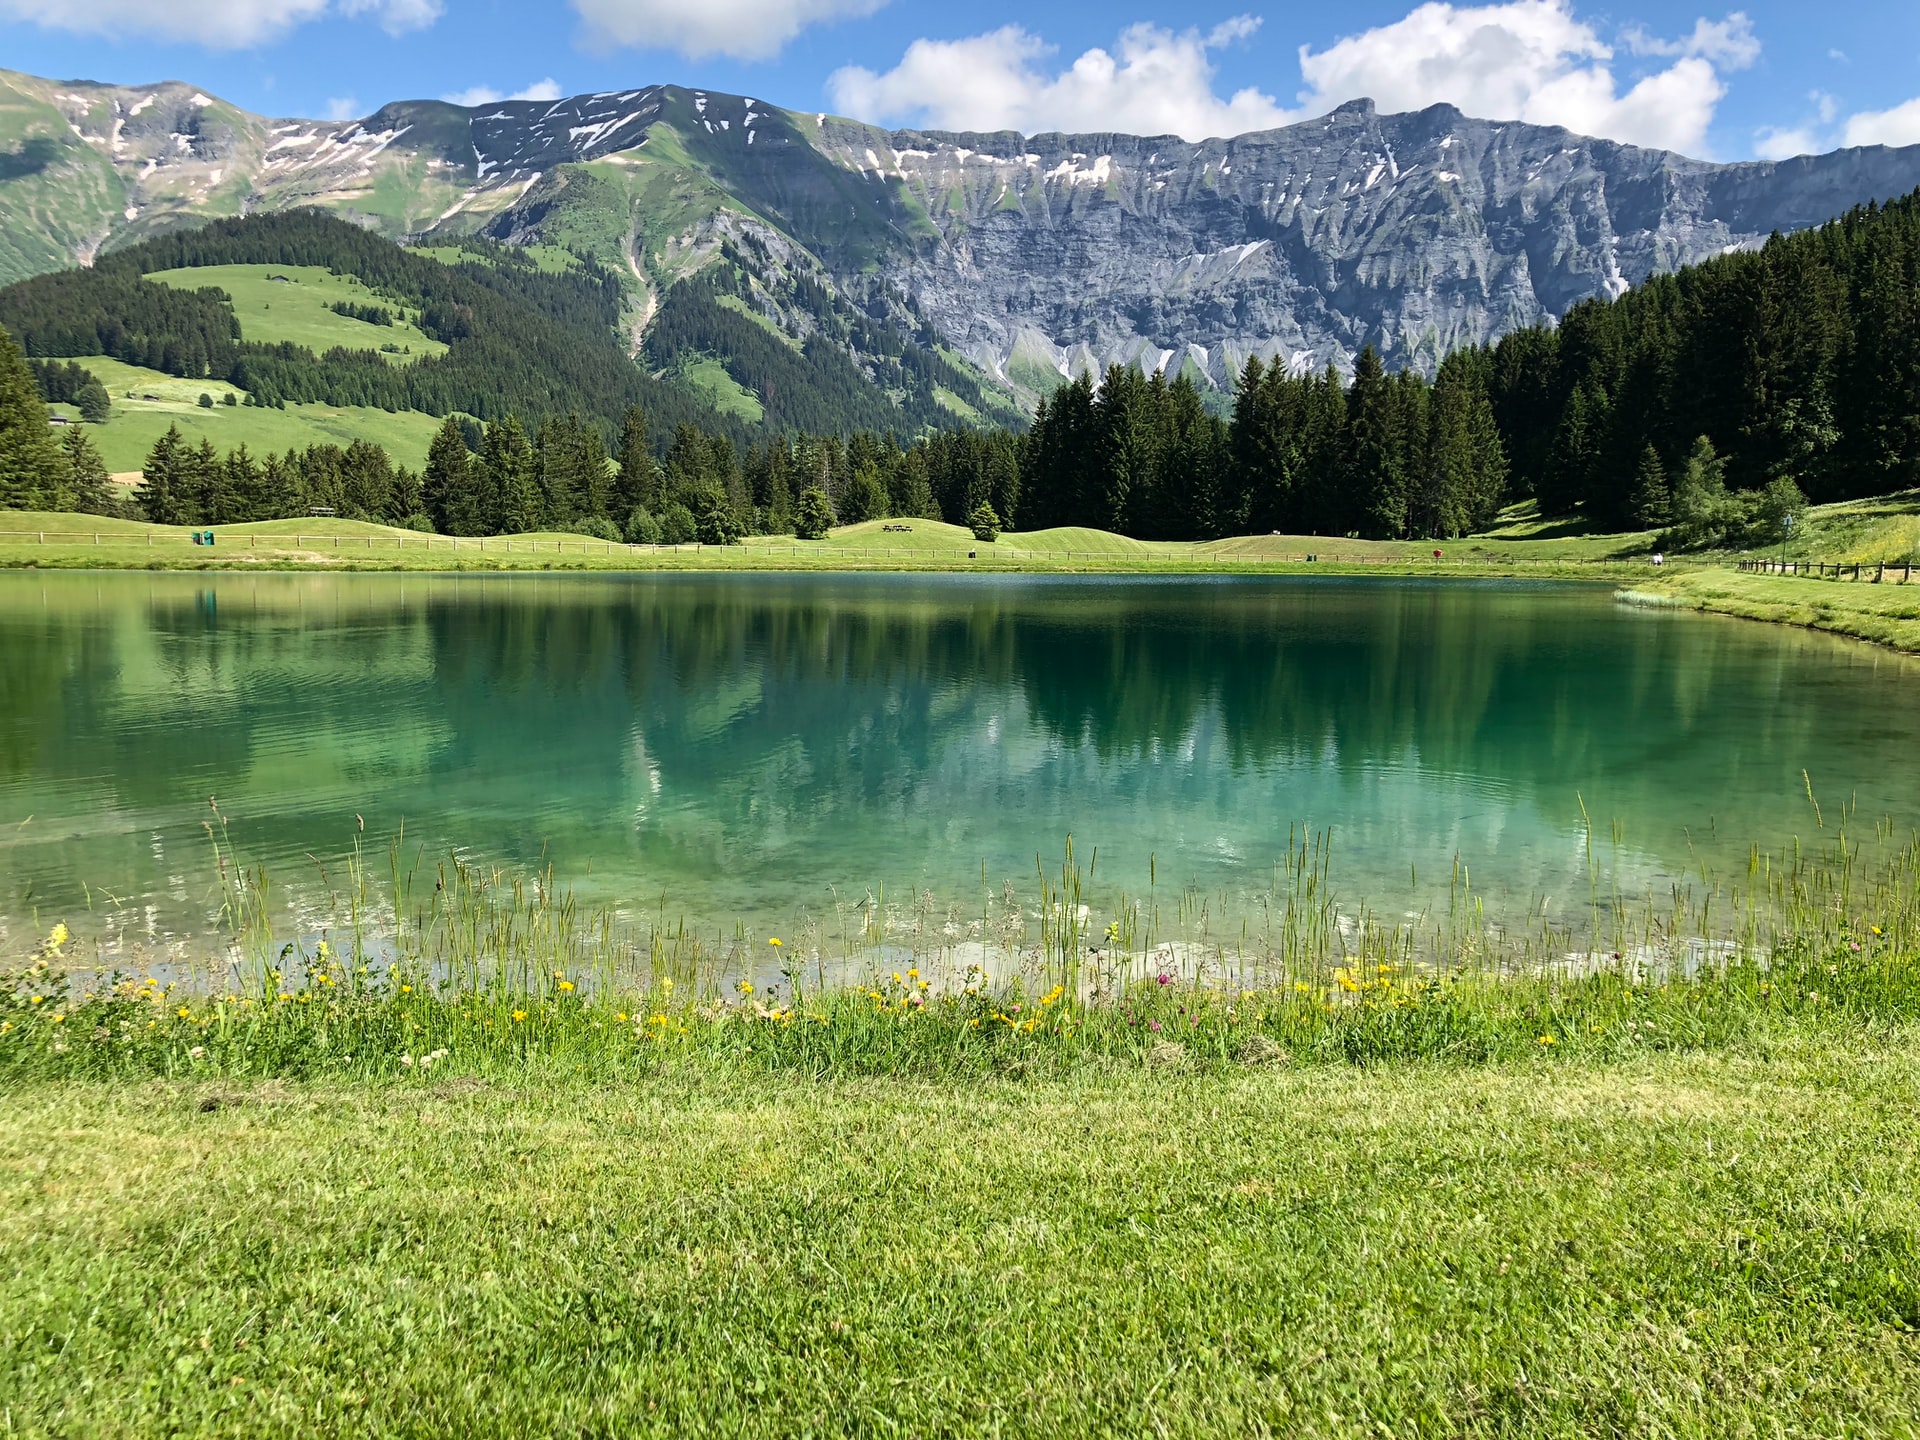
(1384, 455)
(1798, 362)
(72, 384)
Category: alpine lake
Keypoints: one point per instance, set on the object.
(742, 751)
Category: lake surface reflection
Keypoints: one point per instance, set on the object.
(739, 744)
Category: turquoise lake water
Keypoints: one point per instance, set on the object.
(749, 746)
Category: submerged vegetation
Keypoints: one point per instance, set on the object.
(468, 968)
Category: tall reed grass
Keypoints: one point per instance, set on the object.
(411, 967)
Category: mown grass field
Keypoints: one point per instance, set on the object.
(929, 545)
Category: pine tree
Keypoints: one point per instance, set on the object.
(31, 466)
(638, 484)
(984, 523)
(162, 494)
(245, 489)
(718, 525)
(814, 516)
(864, 498)
(512, 486)
(1652, 500)
(366, 476)
(447, 489)
(204, 480)
(1374, 471)
(93, 401)
(89, 485)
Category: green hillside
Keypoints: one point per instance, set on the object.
(291, 304)
(146, 402)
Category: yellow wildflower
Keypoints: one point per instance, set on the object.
(1547, 1040)
(37, 1000)
(184, 1013)
(406, 989)
(57, 937)
(566, 985)
(775, 942)
(519, 1015)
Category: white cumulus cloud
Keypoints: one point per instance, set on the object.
(215, 24)
(1534, 60)
(1898, 126)
(548, 89)
(741, 29)
(396, 17)
(1158, 83)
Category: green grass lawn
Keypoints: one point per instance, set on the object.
(296, 311)
(135, 423)
(1886, 614)
(1679, 1245)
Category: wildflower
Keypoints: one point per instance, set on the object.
(59, 1019)
(1163, 978)
(1875, 928)
(775, 942)
(184, 1013)
(37, 1000)
(1154, 1025)
(621, 1017)
(57, 937)
(1547, 1040)
(519, 1015)
(406, 989)
(912, 975)
(198, 1052)
(5, 1026)
(407, 1060)
(566, 986)
(746, 987)
(667, 984)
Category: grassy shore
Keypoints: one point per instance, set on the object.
(31, 540)
(1886, 614)
(480, 1164)
(1675, 1244)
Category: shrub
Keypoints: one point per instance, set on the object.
(599, 527)
(676, 525)
(642, 528)
(984, 523)
(206, 401)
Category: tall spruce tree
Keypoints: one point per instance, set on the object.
(90, 486)
(448, 493)
(31, 467)
(1652, 499)
(512, 487)
(162, 495)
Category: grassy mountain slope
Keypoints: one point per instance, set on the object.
(146, 402)
(494, 336)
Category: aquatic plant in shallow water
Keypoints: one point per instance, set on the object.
(488, 971)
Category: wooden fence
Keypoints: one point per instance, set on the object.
(1871, 572)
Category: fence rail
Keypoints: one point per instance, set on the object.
(1870, 572)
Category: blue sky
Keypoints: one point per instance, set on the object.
(1772, 78)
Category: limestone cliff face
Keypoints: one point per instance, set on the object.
(1035, 257)
(1415, 233)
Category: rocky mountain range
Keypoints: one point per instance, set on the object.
(1031, 257)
